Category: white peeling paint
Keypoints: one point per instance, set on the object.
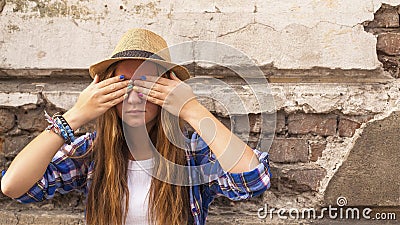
(289, 34)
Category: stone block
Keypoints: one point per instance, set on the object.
(7, 120)
(32, 120)
(292, 178)
(14, 99)
(2, 158)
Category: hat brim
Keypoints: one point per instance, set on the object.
(181, 72)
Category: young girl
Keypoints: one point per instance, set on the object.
(137, 167)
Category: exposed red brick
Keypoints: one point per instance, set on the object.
(320, 124)
(254, 123)
(297, 178)
(2, 158)
(390, 64)
(310, 177)
(289, 150)
(359, 119)
(225, 121)
(280, 122)
(316, 150)
(347, 127)
(389, 43)
(386, 17)
(348, 124)
(1, 146)
(7, 120)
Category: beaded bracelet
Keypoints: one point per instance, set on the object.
(66, 130)
(60, 126)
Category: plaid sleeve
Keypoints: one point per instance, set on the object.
(235, 186)
(63, 174)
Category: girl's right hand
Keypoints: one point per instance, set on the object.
(96, 99)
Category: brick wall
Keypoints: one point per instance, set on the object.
(386, 27)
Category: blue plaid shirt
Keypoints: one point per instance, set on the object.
(65, 174)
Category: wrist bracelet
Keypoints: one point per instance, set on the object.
(63, 130)
(53, 126)
(60, 126)
(67, 128)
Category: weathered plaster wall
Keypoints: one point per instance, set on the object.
(290, 34)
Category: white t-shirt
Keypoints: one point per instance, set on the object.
(139, 180)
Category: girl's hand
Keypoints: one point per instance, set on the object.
(96, 99)
(172, 94)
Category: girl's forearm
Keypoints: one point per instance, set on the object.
(232, 153)
(30, 164)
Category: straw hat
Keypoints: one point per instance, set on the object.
(141, 44)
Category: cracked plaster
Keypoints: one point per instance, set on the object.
(289, 34)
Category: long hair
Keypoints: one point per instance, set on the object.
(108, 198)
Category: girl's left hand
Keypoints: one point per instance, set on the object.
(171, 94)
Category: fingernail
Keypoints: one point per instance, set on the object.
(130, 82)
(121, 77)
(140, 94)
(143, 77)
(130, 86)
(135, 88)
(125, 96)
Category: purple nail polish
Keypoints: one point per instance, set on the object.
(140, 94)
